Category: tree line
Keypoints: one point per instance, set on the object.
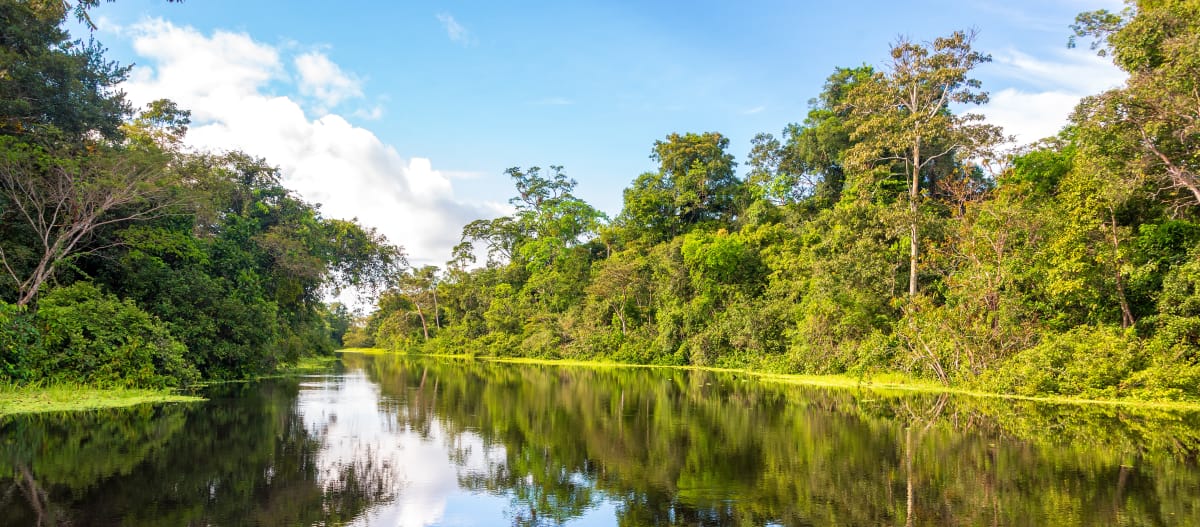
(128, 259)
(885, 232)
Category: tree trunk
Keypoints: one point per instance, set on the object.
(29, 292)
(437, 319)
(424, 328)
(914, 190)
(1127, 319)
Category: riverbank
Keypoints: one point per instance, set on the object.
(879, 382)
(73, 397)
(66, 397)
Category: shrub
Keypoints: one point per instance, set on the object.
(1172, 382)
(95, 338)
(1086, 361)
(21, 350)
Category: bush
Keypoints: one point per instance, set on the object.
(97, 339)
(1170, 382)
(358, 337)
(21, 350)
(1086, 361)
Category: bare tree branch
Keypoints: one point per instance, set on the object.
(64, 201)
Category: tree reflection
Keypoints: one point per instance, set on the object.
(245, 458)
(659, 447)
(672, 447)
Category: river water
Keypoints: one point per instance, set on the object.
(397, 441)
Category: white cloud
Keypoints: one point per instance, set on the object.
(1049, 89)
(224, 79)
(754, 110)
(454, 30)
(322, 79)
(1075, 70)
(1030, 116)
(373, 113)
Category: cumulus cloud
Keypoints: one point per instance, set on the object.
(323, 80)
(454, 30)
(1048, 90)
(226, 80)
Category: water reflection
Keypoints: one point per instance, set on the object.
(668, 447)
(245, 458)
(402, 441)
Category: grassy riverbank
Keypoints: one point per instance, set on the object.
(307, 366)
(878, 382)
(25, 399)
(66, 397)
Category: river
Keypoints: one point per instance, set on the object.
(403, 441)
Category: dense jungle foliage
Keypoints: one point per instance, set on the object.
(128, 259)
(888, 231)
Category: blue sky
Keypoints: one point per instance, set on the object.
(405, 114)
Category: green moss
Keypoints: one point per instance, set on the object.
(66, 397)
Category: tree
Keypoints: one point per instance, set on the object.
(419, 286)
(1156, 115)
(701, 173)
(63, 200)
(339, 320)
(808, 163)
(901, 116)
(621, 284)
(50, 84)
(549, 219)
(553, 218)
(695, 184)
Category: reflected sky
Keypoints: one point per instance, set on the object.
(356, 429)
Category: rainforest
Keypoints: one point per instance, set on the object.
(888, 232)
(888, 312)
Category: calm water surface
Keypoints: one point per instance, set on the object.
(412, 442)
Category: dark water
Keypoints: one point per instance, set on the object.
(409, 442)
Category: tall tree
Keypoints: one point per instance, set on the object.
(1155, 118)
(419, 286)
(807, 161)
(549, 219)
(50, 84)
(695, 184)
(901, 117)
(61, 201)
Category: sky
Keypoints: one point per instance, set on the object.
(405, 115)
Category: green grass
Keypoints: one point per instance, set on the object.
(71, 397)
(307, 365)
(303, 366)
(366, 351)
(382, 351)
(61, 398)
(883, 382)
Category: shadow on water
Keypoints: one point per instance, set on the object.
(617, 446)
